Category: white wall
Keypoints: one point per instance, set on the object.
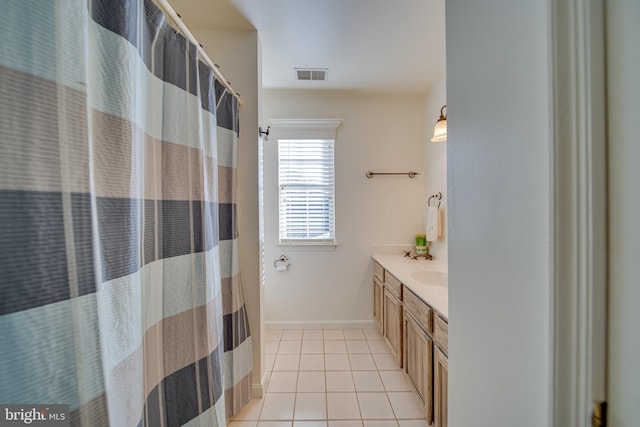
(499, 168)
(435, 169)
(379, 133)
(237, 53)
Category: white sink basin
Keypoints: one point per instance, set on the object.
(430, 278)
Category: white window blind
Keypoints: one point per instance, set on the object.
(307, 191)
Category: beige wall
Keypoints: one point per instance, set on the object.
(237, 53)
(435, 169)
(380, 132)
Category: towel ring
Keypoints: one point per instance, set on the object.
(437, 196)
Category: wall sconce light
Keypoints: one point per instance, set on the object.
(264, 133)
(440, 130)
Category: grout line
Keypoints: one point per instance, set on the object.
(295, 396)
(326, 390)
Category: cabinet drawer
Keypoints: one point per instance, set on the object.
(441, 334)
(420, 311)
(378, 271)
(393, 285)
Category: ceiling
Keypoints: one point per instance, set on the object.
(371, 45)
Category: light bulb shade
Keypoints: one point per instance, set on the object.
(440, 130)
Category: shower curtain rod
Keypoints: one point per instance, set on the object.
(173, 15)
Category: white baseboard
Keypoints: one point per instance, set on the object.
(323, 324)
(257, 390)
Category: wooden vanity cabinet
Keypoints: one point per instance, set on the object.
(441, 372)
(418, 339)
(392, 315)
(378, 271)
(418, 349)
(378, 304)
(393, 324)
(441, 388)
(418, 362)
(378, 296)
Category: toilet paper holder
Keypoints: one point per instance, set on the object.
(283, 261)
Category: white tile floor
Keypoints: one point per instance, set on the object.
(331, 378)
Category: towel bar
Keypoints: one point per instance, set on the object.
(411, 174)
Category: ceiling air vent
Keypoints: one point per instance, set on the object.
(312, 73)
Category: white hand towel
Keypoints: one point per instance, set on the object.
(433, 223)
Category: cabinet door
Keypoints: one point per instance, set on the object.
(418, 363)
(441, 368)
(393, 325)
(378, 304)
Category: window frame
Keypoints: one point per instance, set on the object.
(301, 130)
(303, 196)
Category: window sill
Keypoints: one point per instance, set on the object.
(310, 247)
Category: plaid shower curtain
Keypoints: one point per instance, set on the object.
(120, 293)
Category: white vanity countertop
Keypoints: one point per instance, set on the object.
(415, 275)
